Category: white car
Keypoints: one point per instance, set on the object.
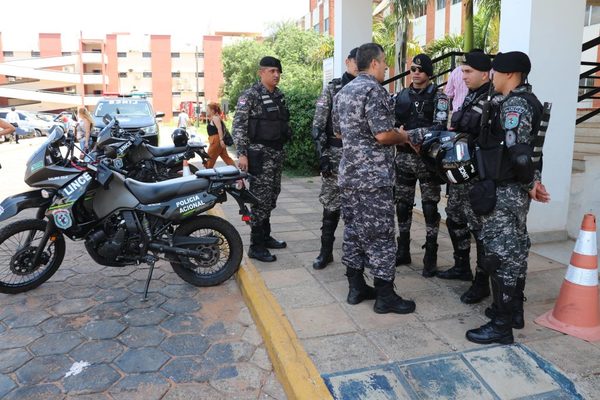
(26, 127)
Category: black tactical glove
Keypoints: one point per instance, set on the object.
(325, 166)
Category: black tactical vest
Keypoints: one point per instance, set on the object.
(415, 110)
(494, 153)
(337, 86)
(270, 128)
(468, 118)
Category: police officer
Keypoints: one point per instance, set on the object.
(506, 155)
(261, 128)
(460, 218)
(419, 107)
(329, 150)
(363, 114)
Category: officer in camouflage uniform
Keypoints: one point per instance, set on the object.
(329, 151)
(420, 107)
(261, 128)
(506, 151)
(460, 218)
(363, 113)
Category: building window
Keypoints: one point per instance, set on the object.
(326, 25)
(8, 54)
(592, 15)
(440, 4)
(456, 1)
(176, 93)
(200, 93)
(421, 10)
(97, 91)
(316, 28)
(147, 74)
(200, 54)
(174, 55)
(122, 54)
(67, 53)
(35, 54)
(146, 54)
(200, 75)
(122, 74)
(175, 74)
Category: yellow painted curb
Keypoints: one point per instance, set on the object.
(294, 369)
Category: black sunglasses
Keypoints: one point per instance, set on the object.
(416, 69)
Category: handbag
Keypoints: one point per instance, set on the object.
(227, 138)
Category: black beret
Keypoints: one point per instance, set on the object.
(423, 61)
(269, 61)
(353, 53)
(513, 61)
(478, 61)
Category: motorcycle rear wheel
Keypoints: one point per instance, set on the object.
(218, 262)
(16, 275)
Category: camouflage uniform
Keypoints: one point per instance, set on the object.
(257, 111)
(410, 167)
(362, 109)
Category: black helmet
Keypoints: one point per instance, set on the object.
(449, 154)
(180, 137)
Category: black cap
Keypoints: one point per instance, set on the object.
(269, 61)
(423, 61)
(478, 61)
(513, 61)
(352, 53)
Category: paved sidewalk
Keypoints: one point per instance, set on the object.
(86, 334)
(342, 339)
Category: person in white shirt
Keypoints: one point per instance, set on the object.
(184, 120)
(12, 117)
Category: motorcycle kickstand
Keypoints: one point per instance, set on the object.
(150, 260)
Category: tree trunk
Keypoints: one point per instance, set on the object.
(468, 15)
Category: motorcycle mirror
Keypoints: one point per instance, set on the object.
(107, 118)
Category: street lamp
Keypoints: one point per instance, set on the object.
(197, 106)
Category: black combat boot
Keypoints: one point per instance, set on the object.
(461, 269)
(257, 248)
(430, 258)
(518, 318)
(330, 222)
(480, 289)
(403, 252)
(387, 301)
(358, 288)
(270, 242)
(499, 329)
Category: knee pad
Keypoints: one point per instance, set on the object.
(490, 263)
(403, 211)
(430, 211)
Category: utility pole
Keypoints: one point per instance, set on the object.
(197, 105)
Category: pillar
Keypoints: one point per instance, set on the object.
(550, 32)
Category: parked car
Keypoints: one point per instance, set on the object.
(26, 127)
(41, 125)
(133, 113)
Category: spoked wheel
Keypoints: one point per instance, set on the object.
(217, 262)
(19, 242)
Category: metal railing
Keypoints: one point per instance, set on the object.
(586, 91)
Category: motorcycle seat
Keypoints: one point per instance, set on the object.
(165, 151)
(156, 192)
(220, 172)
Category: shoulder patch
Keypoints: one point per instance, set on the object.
(512, 120)
(442, 104)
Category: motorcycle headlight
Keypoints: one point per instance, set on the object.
(150, 130)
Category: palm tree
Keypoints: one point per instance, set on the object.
(405, 10)
(384, 33)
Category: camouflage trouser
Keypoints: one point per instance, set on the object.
(409, 169)
(369, 231)
(505, 237)
(330, 191)
(265, 165)
(459, 210)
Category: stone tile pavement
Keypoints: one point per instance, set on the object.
(340, 338)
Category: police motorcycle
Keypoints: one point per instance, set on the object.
(122, 221)
(144, 162)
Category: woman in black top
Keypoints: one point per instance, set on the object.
(215, 131)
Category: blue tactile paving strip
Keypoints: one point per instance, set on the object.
(496, 372)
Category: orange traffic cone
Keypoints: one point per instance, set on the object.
(577, 309)
(186, 168)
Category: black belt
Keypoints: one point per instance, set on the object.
(334, 142)
(274, 144)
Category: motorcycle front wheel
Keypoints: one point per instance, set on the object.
(218, 262)
(19, 242)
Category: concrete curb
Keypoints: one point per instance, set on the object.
(294, 369)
